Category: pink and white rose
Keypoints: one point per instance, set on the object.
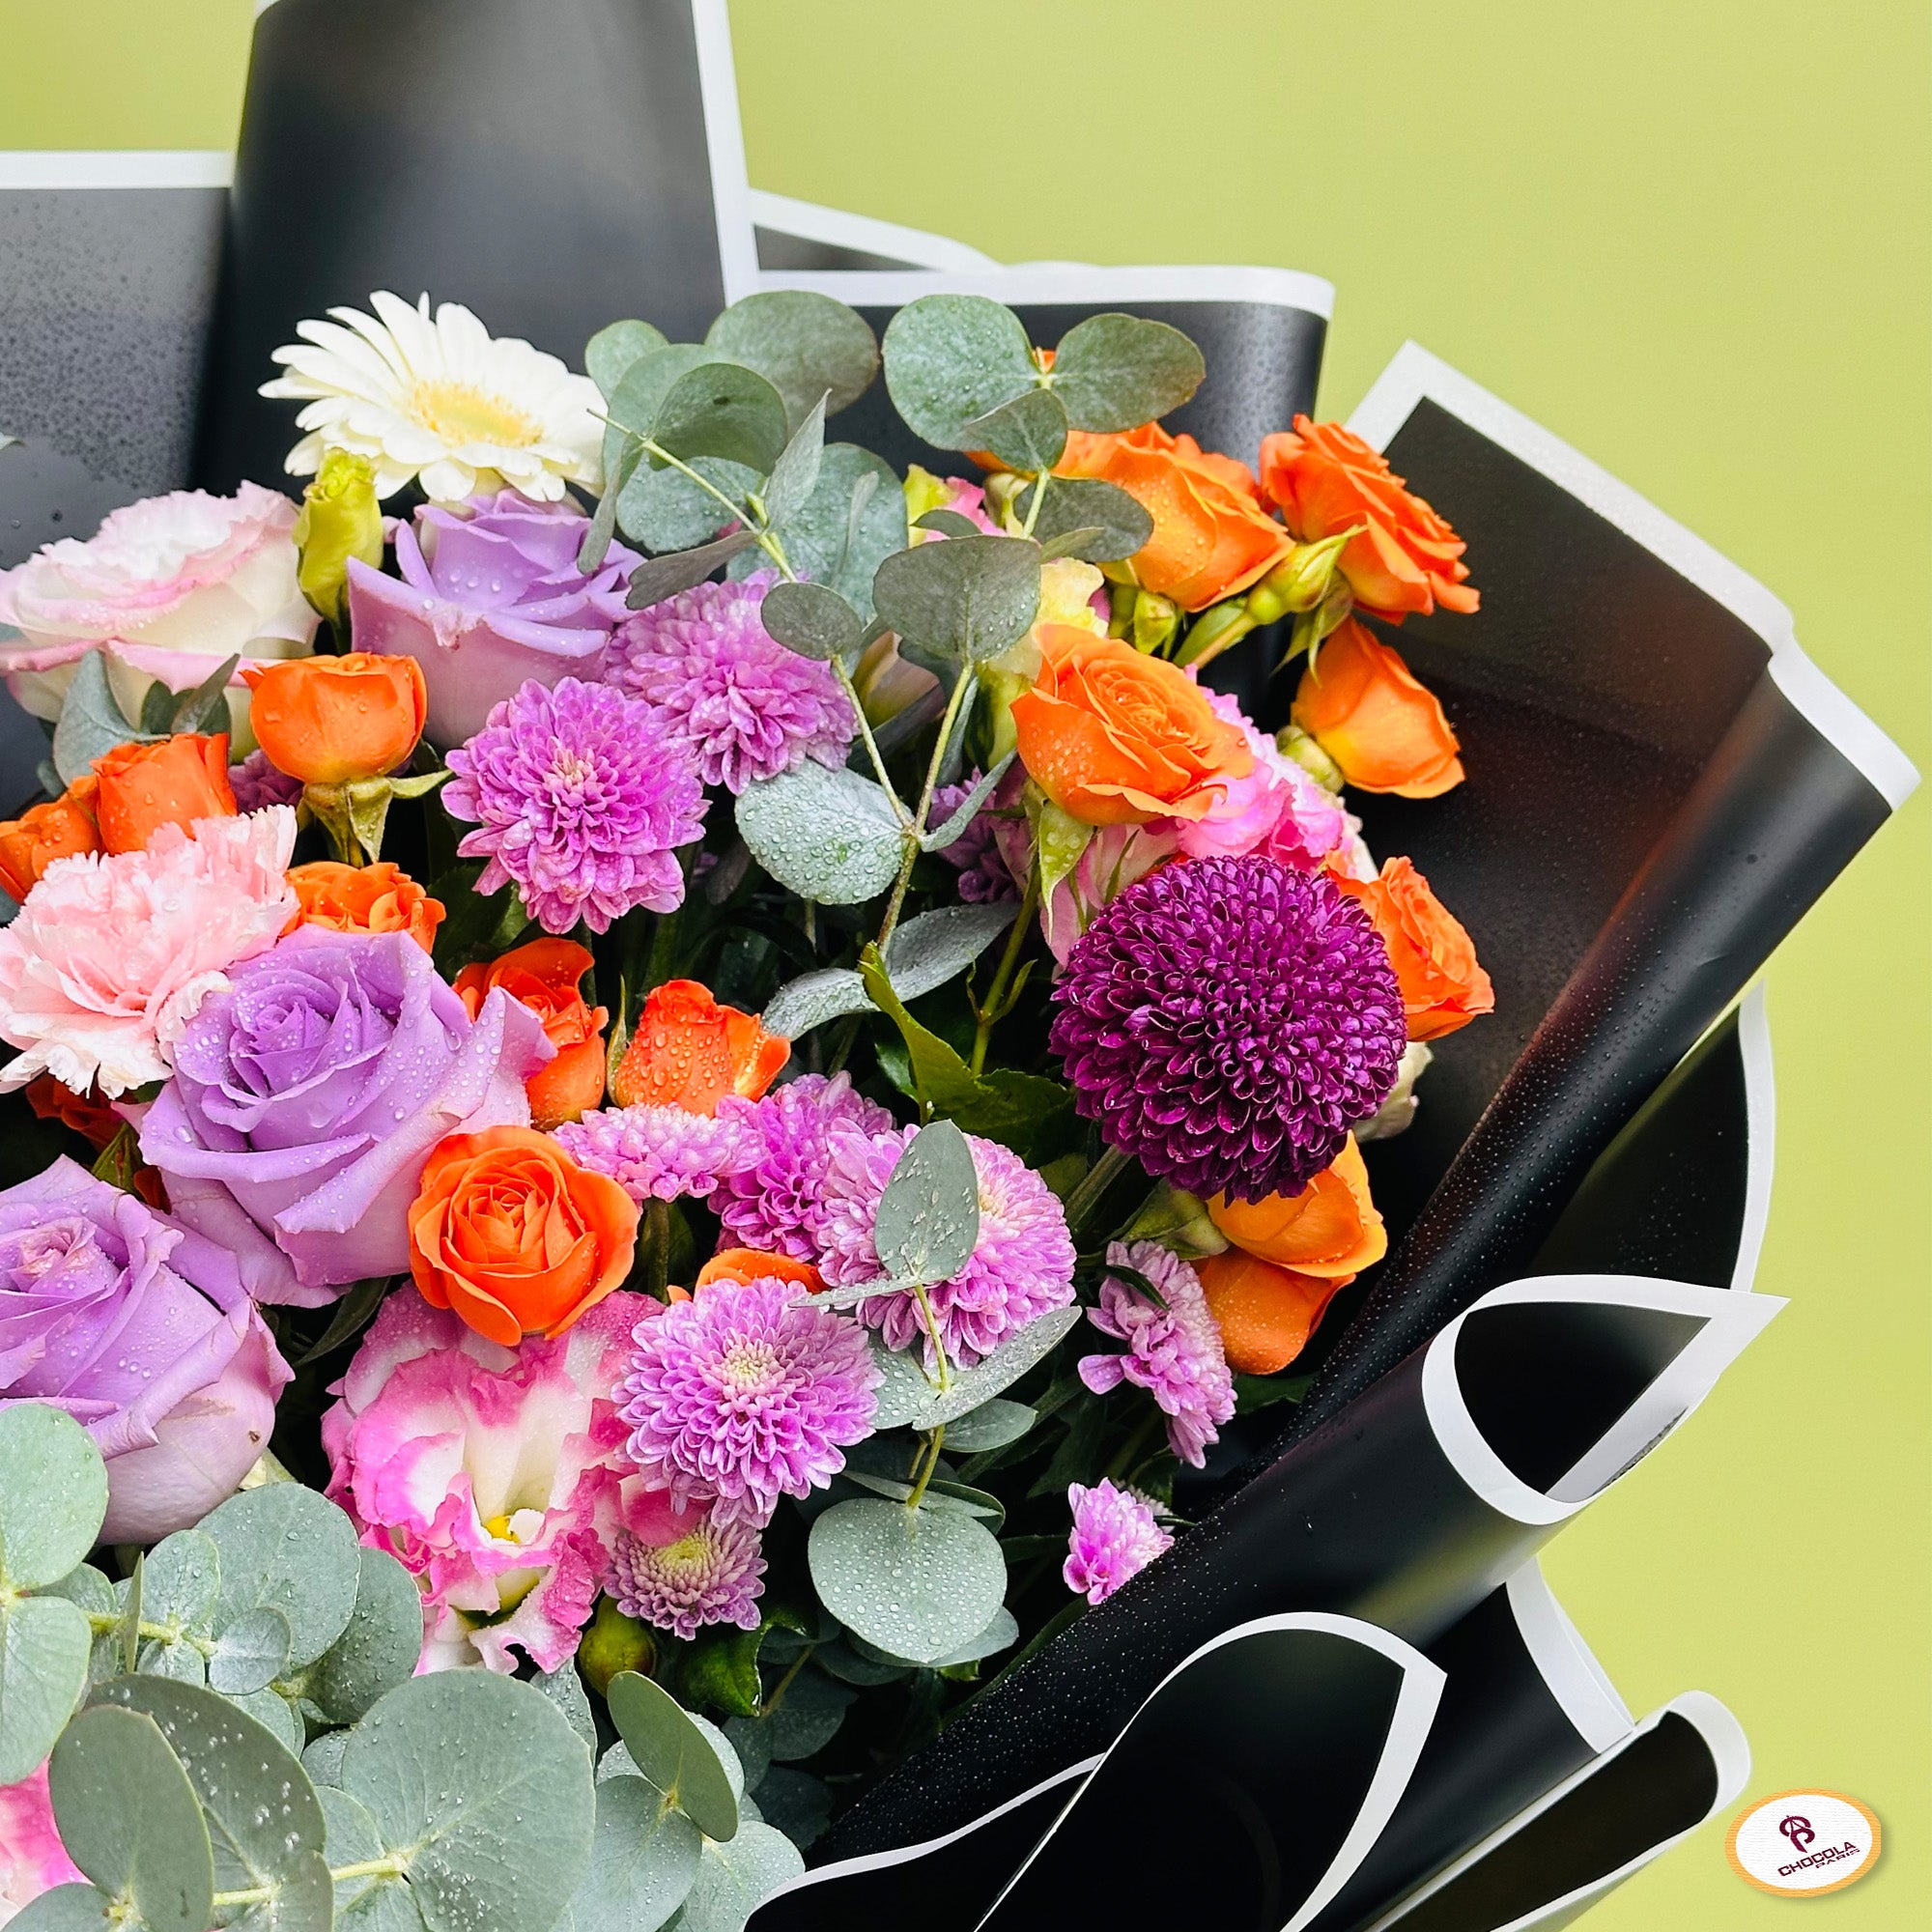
(32, 1858)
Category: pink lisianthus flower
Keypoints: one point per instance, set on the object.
(32, 1858)
(1278, 810)
(172, 585)
(111, 956)
(495, 1475)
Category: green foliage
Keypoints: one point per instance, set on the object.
(795, 474)
(285, 1546)
(916, 1582)
(1115, 372)
(960, 601)
(660, 577)
(1027, 434)
(734, 1876)
(666, 510)
(908, 1399)
(722, 411)
(854, 519)
(928, 1217)
(614, 348)
(813, 621)
(643, 1857)
(808, 345)
(378, 1647)
(991, 1426)
(950, 360)
(1080, 516)
(669, 1747)
(829, 836)
(91, 722)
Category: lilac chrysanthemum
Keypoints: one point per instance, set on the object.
(983, 877)
(257, 785)
(771, 1195)
(582, 796)
(714, 1574)
(1227, 1021)
(747, 707)
(653, 1153)
(1115, 1537)
(744, 1394)
(1174, 1351)
(1021, 1266)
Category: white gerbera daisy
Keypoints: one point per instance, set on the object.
(441, 401)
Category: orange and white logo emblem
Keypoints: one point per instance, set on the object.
(1801, 1844)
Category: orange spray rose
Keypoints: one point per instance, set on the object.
(741, 1265)
(688, 1051)
(381, 897)
(1384, 730)
(1330, 1229)
(172, 782)
(1326, 480)
(1443, 985)
(1115, 738)
(329, 720)
(59, 829)
(543, 975)
(509, 1231)
(1265, 1314)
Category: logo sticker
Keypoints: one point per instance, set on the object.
(1801, 1844)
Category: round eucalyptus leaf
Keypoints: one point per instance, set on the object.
(830, 835)
(928, 1217)
(91, 723)
(671, 1748)
(751, 1738)
(665, 510)
(660, 577)
(305, 1901)
(86, 1586)
(950, 359)
(129, 1818)
(1107, 522)
(634, 404)
(964, 600)
(728, 1753)
(991, 1426)
(803, 343)
(795, 474)
(950, 523)
(916, 1583)
(1115, 372)
(813, 999)
(44, 1645)
(643, 1857)
(611, 351)
(938, 946)
(732, 1878)
(1027, 434)
(389, 1906)
(796, 1804)
(908, 1400)
(564, 1689)
(181, 1660)
(379, 1647)
(323, 1761)
(813, 621)
(54, 1491)
(349, 1838)
(181, 1580)
(807, 1717)
(250, 1652)
(722, 410)
(854, 519)
(285, 1546)
(66, 1908)
(1002, 1633)
(275, 1715)
(484, 1786)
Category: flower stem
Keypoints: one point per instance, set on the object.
(657, 1247)
(963, 688)
(1038, 497)
(995, 1009)
(930, 1462)
(945, 1376)
(851, 692)
(1093, 1185)
(102, 1624)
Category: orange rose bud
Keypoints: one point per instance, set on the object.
(509, 1231)
(92, 1119)
(689, 1052)
(1443, 985)
(741, 1265)
(1329, 1231)
(1265, 1314)
(543, 975)
(327, 720)
(1384, 730)
(1115, 738)
(1211, 535)
(172, 782)
(1325, 480)
(381, 897)
(60, 828)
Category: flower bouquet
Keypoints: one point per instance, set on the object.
(756, 1096)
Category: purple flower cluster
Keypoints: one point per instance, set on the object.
(713, 1574)
(582, 797)
(1227, 1021)
(653, 1153)
(772, 1193)
(983, 877)
(746, 706)
(1115, 1537)
(257, 785)
(1174, 1350)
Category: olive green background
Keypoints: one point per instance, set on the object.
(1695, 242)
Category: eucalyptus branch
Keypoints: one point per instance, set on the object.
(392, 1866)
(851, 692)
(944, 1380)
(103, 1623)
(1033, 508)
(929, 1463)
(997, 1005)
(963, 688)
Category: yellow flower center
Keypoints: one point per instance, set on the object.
(687, 1557)
(460, 413)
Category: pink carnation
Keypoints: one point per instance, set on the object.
(1115, 1537)
(112, 957)
(32, 1858)
(493, 1474)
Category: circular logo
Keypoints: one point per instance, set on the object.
(1802, 1843)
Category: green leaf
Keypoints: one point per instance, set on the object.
(597, 533)
(1002, 1633)
(275, 1715)
(909, 1400)
(807, 1717)
(1115, 372)
(732, 1878)
(378, 1646)
(158, 709)
(938, 1495)
(813, 621)
(854, 519)
(721, 1668)
(643, 1857)
(991, 1426)
(86, 1586)
(830, 835)
(1027, 434)
(44, 1646)
(285, 1546)
(350, 1316)
(1253, 1392)
(660, 577)
(795, 474)
(722, 410)
(67, 1907)
(950, 523)
(961, 601)
(813, 999)
(668, 1746)
(954, 826)
(918, 1583)
(181, 1580)
(666, 510)
(480, 1781)
(928, 1217)
(131, 1820)
(950, 359)
(611, 351)
(323, 1761)
(368, 1902)
(53, 1495)
(849, 1666)
(642, 389)
(804, 344)
(91, 722)
(204, 708)
(1107, 522)
(250, 1652)
(261, 1816)
(796, 1804)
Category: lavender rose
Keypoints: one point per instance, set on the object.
(488, 599)
(307, 1097)
(140, 1329)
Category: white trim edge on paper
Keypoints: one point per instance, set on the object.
(1415, 375)
(1066, 282)
(839, 228)
(42, 168)
(724, 147)
(1580, 1683)
(1760, 1133)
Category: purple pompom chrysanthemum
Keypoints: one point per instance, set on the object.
(653, 1153)
(1021, 1266)
(1115, 1537)
(1227, 1021)
(713, 1574)
(771, 1195)
(257, 785)
(748, 707)
(582, 796)
(744, 1394)
(1173, 1351)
